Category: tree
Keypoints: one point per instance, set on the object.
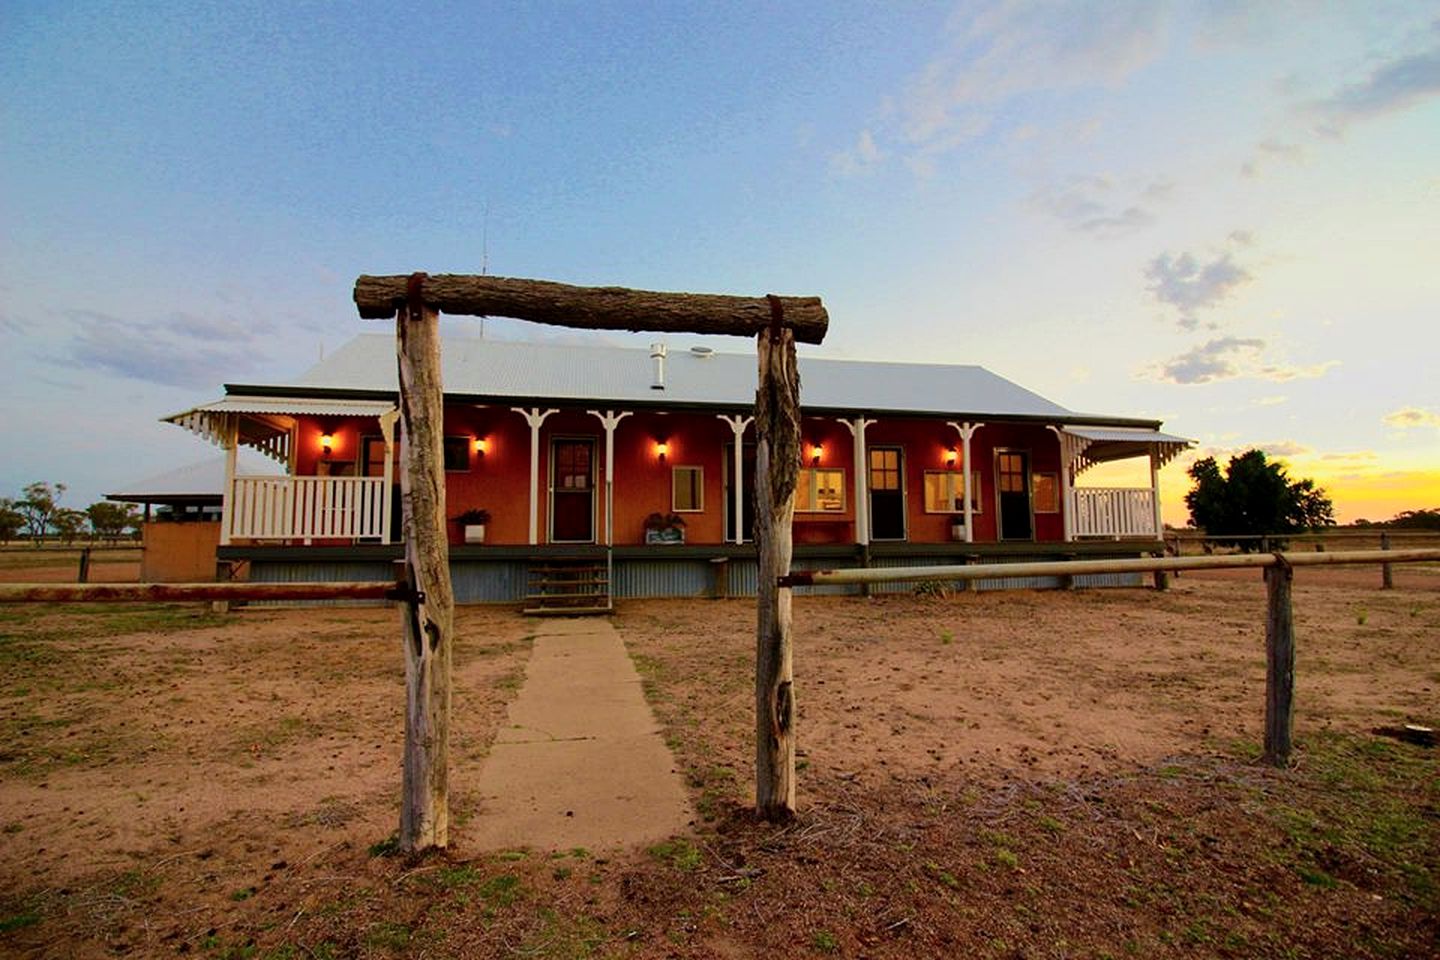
(111, 520)
(11, 520)
(67, 523)
(1416, 520)
(39, 505)
(1254, 497)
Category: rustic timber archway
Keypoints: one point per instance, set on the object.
(427, 619)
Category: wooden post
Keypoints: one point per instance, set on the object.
(1279, 663)
(1387, 580)
(777, 468)
(1162, 577)
(83, 576)
(427, 615)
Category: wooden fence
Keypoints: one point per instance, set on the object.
(1279, 569)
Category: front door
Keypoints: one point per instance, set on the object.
(572, 491)
(747, 491)
(1012, 485)
(887, 493)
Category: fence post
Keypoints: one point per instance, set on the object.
(1162, 578)
(84, 575)
(427, 613)
(777, 469)
(1279, 663)
(1387, 581)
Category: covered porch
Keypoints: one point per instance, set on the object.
(1113, 513)
(342, 500)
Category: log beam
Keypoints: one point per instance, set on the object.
(428, 617)
(777, 466)
(592, 308)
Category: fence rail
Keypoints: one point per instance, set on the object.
(1061, 568)
(172, 592)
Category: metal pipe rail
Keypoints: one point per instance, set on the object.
(172, 592)
(1064, 568)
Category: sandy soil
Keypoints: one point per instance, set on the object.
(170, 781)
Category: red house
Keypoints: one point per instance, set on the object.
(629, 459)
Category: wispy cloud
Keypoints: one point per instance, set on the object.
(1412, 418)
(1393, 85)
(1286, 448)
(1230, 358)
(859, 158)
(993, 54)
(1097, 204)
(1272, 151)
(1191, 285)
(181, 349)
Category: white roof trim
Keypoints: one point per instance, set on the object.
(1088, 446)
(214, 421)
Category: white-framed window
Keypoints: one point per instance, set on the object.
(1045, 492)
(820, 490)
(945, 491)
(687, 489)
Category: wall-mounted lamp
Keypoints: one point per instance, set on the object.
(815, 451)
(662, 448)
(327, 443)
(482, 445)
(950, 457)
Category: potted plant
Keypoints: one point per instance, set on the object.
(664, 528)
(473, 523)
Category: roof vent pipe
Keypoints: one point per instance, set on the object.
(657, 354)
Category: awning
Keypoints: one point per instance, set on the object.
(1086, 446)
(266, 423)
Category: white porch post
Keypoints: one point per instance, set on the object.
(737, 425)
(1067, 466)
(862, 480)
(1155, 491)
(387, 431)
(966, 431)
(610, 419)
(227, 494)
(534, 417)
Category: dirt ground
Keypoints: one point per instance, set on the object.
(50, 565)
(1002, 774)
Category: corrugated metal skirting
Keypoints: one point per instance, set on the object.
(507, 581)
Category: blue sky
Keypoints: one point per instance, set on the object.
(1220, 214)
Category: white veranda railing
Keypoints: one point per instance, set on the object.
(1114, 512)
(308, 508)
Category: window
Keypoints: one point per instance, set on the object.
(457, 453)
(687, 489)
(820, 490)
(945, 491)
(1045, 489)
(372, 456)
(885, 469)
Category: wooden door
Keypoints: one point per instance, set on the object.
(1012, 486)
(747, 491)
(572, 491)
(887, 493)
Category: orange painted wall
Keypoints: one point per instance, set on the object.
(179, 552)
(498, 480)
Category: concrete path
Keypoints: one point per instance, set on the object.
(579, 761)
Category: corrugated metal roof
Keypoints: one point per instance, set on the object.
(203, 479)
(290, 406)
(606, 374)
(1125, 435)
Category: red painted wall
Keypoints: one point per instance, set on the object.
(498, 479)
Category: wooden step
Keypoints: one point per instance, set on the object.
(566, 611)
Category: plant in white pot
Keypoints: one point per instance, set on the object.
(473, 523)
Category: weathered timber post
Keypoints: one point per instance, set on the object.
(83, 575)
(427, 614)
(1279, 663)
(1387, 580)
(777, 467)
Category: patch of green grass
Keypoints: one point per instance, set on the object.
(825, 941)
(680, 854)
(245, 893)
(1007, 858)
(1050, 825)
(388, 847)
(18, 921)
(389, 935)
(501, 891)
